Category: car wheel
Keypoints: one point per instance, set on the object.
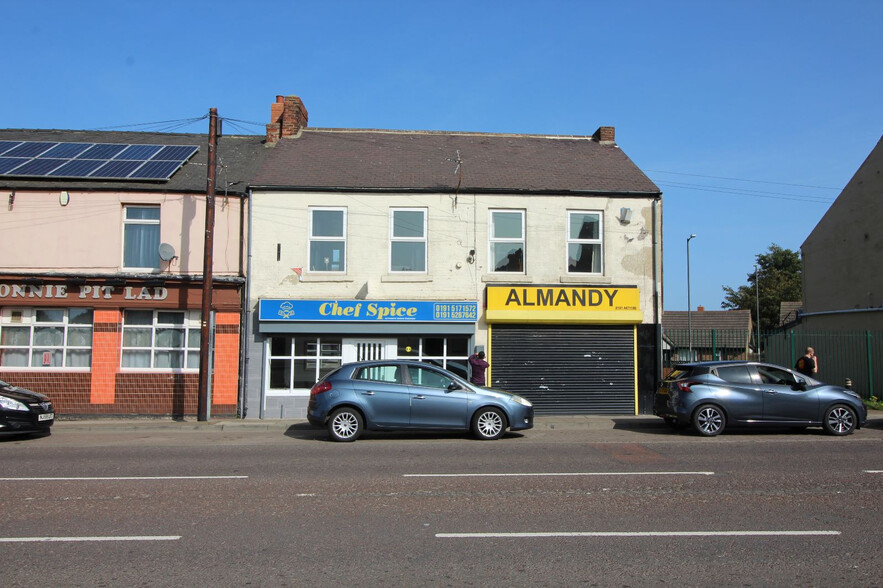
(345, 424)
(488, 424)
(839, 420)
(709, 420)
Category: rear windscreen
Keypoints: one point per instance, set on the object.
(677, 374)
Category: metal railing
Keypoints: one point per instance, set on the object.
(854, 357)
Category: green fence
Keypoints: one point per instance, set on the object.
(856, 356)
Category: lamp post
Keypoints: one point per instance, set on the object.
(689, 303)
(757, 301)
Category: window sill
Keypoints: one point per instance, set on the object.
(326, 278)
(405, 278)
(587, 279)
(507, 278)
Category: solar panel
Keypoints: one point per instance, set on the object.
(97, 161)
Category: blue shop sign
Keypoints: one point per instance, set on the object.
(409, 311)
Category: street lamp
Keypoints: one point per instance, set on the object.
(689, 303)
(757, 299)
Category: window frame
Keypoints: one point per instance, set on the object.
(494, 240)
(311, 239)
(28, 318)
(190, 325)
(323, 359)
(577, 241)
(393, 239)
(127, 222)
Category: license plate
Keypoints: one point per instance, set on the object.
(46, 416)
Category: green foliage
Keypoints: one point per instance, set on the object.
(780, 280)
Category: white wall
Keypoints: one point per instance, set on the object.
(455, 226)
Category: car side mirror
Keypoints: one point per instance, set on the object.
(454, 386)
(800, 385)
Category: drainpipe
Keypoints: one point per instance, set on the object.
(244, 316)
(657, 302)
(249, 316)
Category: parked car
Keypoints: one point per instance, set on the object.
(407, 394)
(713, 395)
(24, 411)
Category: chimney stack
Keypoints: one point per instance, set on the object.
(605, 135)
(288, 116)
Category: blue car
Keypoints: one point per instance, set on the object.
(709, 396)
(406, 394)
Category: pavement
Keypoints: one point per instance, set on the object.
(96, 424)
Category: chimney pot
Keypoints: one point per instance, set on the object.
(280, 98)
(700, 308)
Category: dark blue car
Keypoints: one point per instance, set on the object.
(712, 395)
(403, 394)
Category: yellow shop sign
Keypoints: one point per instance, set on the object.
(564, 304)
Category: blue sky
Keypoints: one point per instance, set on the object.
(751, 116)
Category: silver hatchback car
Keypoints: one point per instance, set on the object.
(713, 395)
(405, 394)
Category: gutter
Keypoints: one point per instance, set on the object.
(800, 315)
(454, 190)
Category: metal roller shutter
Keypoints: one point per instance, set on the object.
(566, 369)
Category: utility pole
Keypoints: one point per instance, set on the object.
(207, 263)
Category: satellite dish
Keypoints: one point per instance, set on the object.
(166, 252)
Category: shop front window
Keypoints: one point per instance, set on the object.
(450, 353)
(46, 338)
(298, 362)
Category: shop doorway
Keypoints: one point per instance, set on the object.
(368, 349)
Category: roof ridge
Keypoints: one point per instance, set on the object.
(443, 133)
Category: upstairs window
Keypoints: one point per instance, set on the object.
(584, 252)
(507, 240)
(407, 240)
(141, 237)
(327, 240)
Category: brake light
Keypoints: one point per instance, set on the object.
(684, 385)
(320, 387)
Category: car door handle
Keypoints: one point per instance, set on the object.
(771, 391)
(420, 397)
(368, 393)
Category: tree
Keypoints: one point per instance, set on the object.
(781, 280)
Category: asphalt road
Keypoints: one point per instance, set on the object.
(609, 502)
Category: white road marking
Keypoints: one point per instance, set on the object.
(873, 471)
(639, 534)
(125, 478)
(65, 539)
(559, 474)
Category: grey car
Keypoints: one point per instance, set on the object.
(709, 396)
(406, 394)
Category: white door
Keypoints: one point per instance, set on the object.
(368, 349)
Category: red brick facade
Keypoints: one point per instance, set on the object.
(108, 389)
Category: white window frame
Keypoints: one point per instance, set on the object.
(27, 318)
(576, 241)
(191, 326)
(127, 222)
(394, 239)
(494, 240)
(323, 359)
(323, 238)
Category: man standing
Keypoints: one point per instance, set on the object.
(479, 365)
(808, 365)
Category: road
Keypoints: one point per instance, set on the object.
(632, 504)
